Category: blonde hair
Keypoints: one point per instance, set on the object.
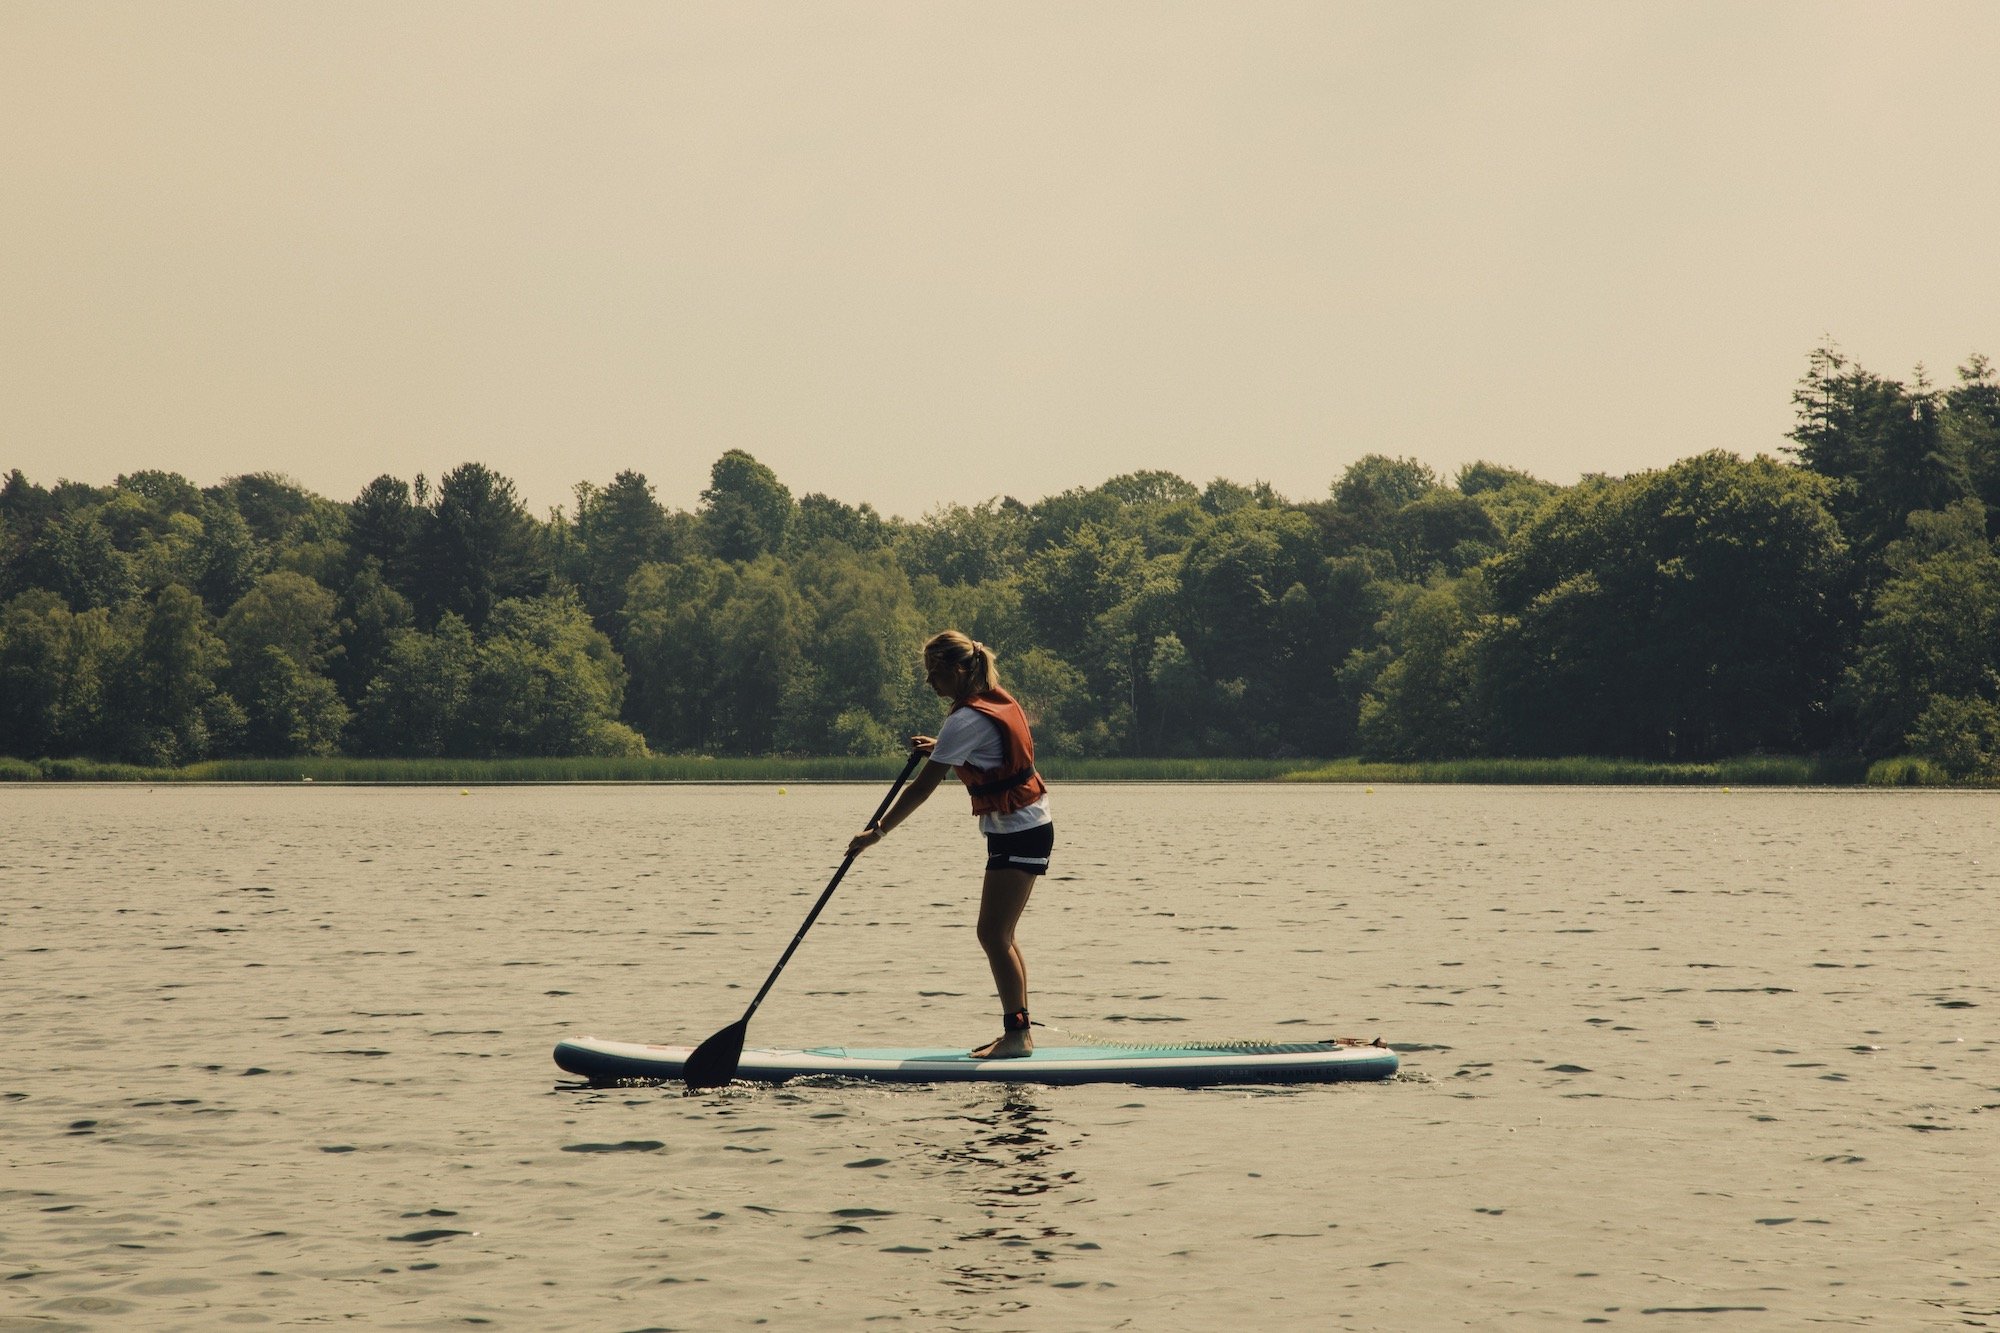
(952, 651)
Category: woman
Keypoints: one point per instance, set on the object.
(985, 740)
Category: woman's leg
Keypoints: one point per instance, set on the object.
(1001, 901)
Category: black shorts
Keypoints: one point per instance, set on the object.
(1027, 850)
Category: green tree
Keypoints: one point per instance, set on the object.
(745, 510)
(1509, 496)
(229, 554)
(129, 516)
(1252, 615)
(56, 673)
(279, 637)
(546, 682)
(719, 657)
(1423, 704)
(1934, 629)
(1961, 735)
(175, 711)
(672, 650)
(1367, 497)
(294, 528)
(1162, 511)
(1379, 482)
(1971, 430)
(283, 610)
(820, 520)
(1686, 613)
(1151, 487)
(1081, 602)
(76, 559)
(416, 705)
(289, 709)
(167, 492)
(384, 525)
(1066, 717)
(1056, 520)
(172, 552)
(1222, 496)
(618, 529)
(478, 547)
(153, 520)
(1131, 718)
(1066, 589)
(858, 652)
(25, 510)
(856, 732)
(962, 545)
(1441, 532)
(716, 652)
(759, 645)
(1884, 445)
(1180, 698)
(370, 614)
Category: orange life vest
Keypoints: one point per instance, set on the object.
(1015, 784)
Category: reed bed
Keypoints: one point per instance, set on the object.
(87, 770)
(1749, 771)
(1582, 771)
(1908, 771)
(1058, 769)
(653, 768)
(420, 772)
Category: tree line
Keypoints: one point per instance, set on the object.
(1844, 600)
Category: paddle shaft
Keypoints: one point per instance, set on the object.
(916, 758)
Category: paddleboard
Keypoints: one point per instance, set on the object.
(1161, 1066)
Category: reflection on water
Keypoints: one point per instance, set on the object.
(1006, 1171)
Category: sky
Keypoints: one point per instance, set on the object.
(917, 254)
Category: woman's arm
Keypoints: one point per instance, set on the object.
(906, 805)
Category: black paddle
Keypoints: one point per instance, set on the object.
(714, 1061)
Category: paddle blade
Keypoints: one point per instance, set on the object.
(714, 1061)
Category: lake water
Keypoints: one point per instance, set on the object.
(280, 1056)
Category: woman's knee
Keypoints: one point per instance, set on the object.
(1004, 896)
(995, 937)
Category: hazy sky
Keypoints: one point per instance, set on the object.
(922, 253)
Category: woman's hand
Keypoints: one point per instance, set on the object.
(913, 796)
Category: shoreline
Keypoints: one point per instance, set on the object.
(1749, 771)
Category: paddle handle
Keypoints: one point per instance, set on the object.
(916, 757)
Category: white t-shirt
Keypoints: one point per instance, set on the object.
(968, 736)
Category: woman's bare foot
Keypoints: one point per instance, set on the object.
(1007, 1046)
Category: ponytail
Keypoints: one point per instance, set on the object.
(955, 651)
